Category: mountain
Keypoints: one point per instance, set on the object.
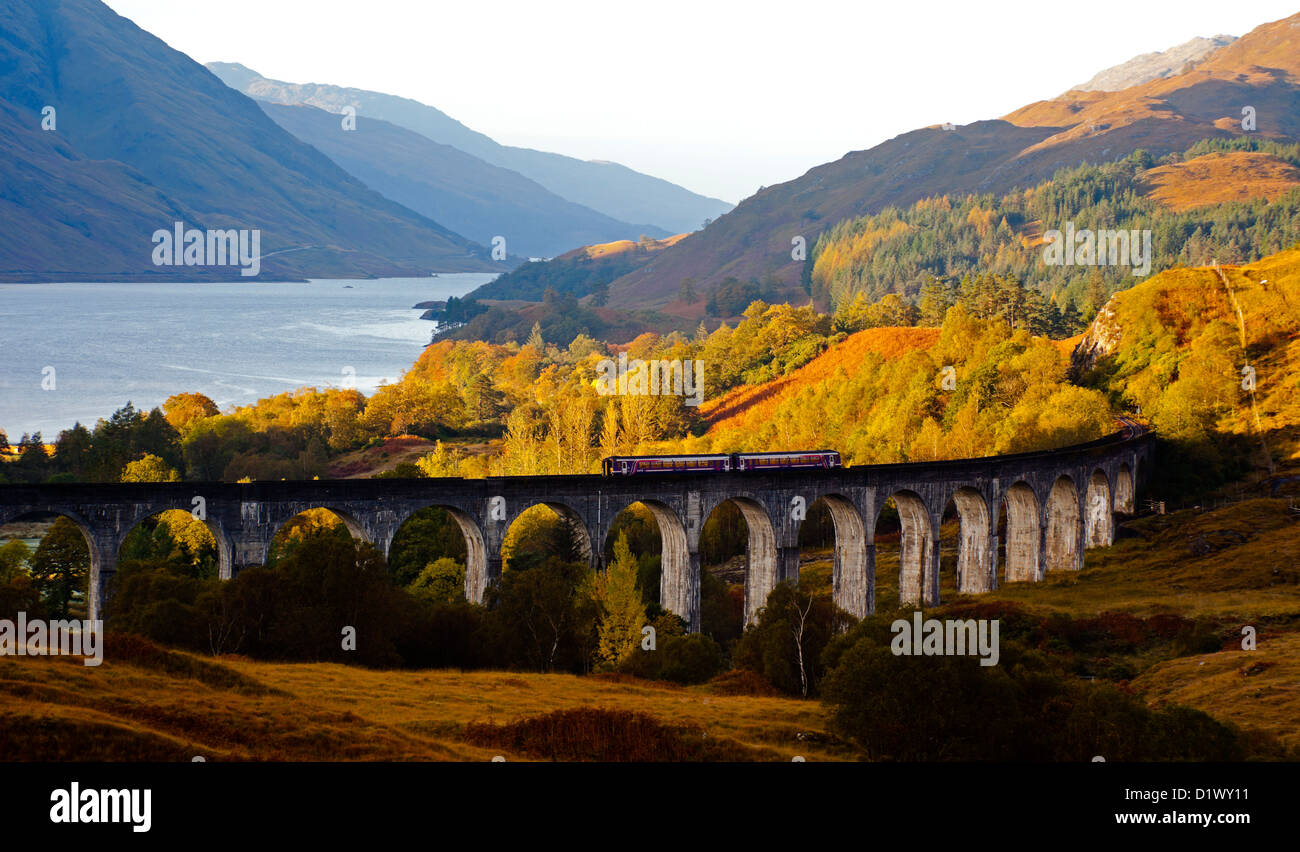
(612, 189)
(1225, 199)
(143, 136)
(1151, 66)
(468, 195)
(1165, 115)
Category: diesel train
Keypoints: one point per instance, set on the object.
(719, 462)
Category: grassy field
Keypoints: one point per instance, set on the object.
(58, 709)
(1257, 689)
(1241, 561)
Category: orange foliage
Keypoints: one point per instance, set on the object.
(753, 404)
(1219, 179)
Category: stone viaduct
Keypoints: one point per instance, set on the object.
(1057, 504)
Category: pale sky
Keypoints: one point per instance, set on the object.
(720, 97)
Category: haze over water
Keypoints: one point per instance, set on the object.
(235, 342)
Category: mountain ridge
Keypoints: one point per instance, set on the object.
(1149, 66)
(142, 137)
(474, 198)
(1026, 146)
(609, 188)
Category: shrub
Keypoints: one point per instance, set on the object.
(694, 658)
(590, 733)
(951, 708)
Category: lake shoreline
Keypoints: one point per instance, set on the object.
(82, 350)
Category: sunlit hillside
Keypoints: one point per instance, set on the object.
(1220, 178)
(622, 246)
(753, 404)
(973, 388)
(1208, 353)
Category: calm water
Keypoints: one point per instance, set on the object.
(237, 342)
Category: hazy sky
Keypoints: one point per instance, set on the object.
(720, 97)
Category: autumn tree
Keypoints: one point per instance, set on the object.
(786, 643)
(441, 581)
(622, 613)
(149, 468)
(183, 409)
(60, 568)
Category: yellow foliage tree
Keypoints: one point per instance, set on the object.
(622, 610)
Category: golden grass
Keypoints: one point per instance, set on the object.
(1241, 561)
(1256, 690)
(388, 454)
(621, 246)
(1219, 179)
(325, 711)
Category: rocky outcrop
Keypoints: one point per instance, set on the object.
(1153, 66)
(1102, 339)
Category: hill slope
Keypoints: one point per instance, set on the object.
(579, 272)
(1164, 115)
(1220, 178)
(446, 184)
(612, 189)
(749, 406)
(143, 137)
(1181, 347)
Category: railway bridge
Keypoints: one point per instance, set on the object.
(1056, 504)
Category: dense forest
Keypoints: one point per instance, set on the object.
(901, 251)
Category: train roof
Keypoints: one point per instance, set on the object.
(668, 456)
(790, 453)
(722, 455)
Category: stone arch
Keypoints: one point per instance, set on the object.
(574, 520)
(222, 543)
(679, 581)
(976, 559)
(1125, 490)
(103, 554)
(353, 526)
(1024, 534)
(918, 568)
(852, 580)
(476, 567)
(1064, 526)
(570, 517)
(762, 567)
(1099, 520)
